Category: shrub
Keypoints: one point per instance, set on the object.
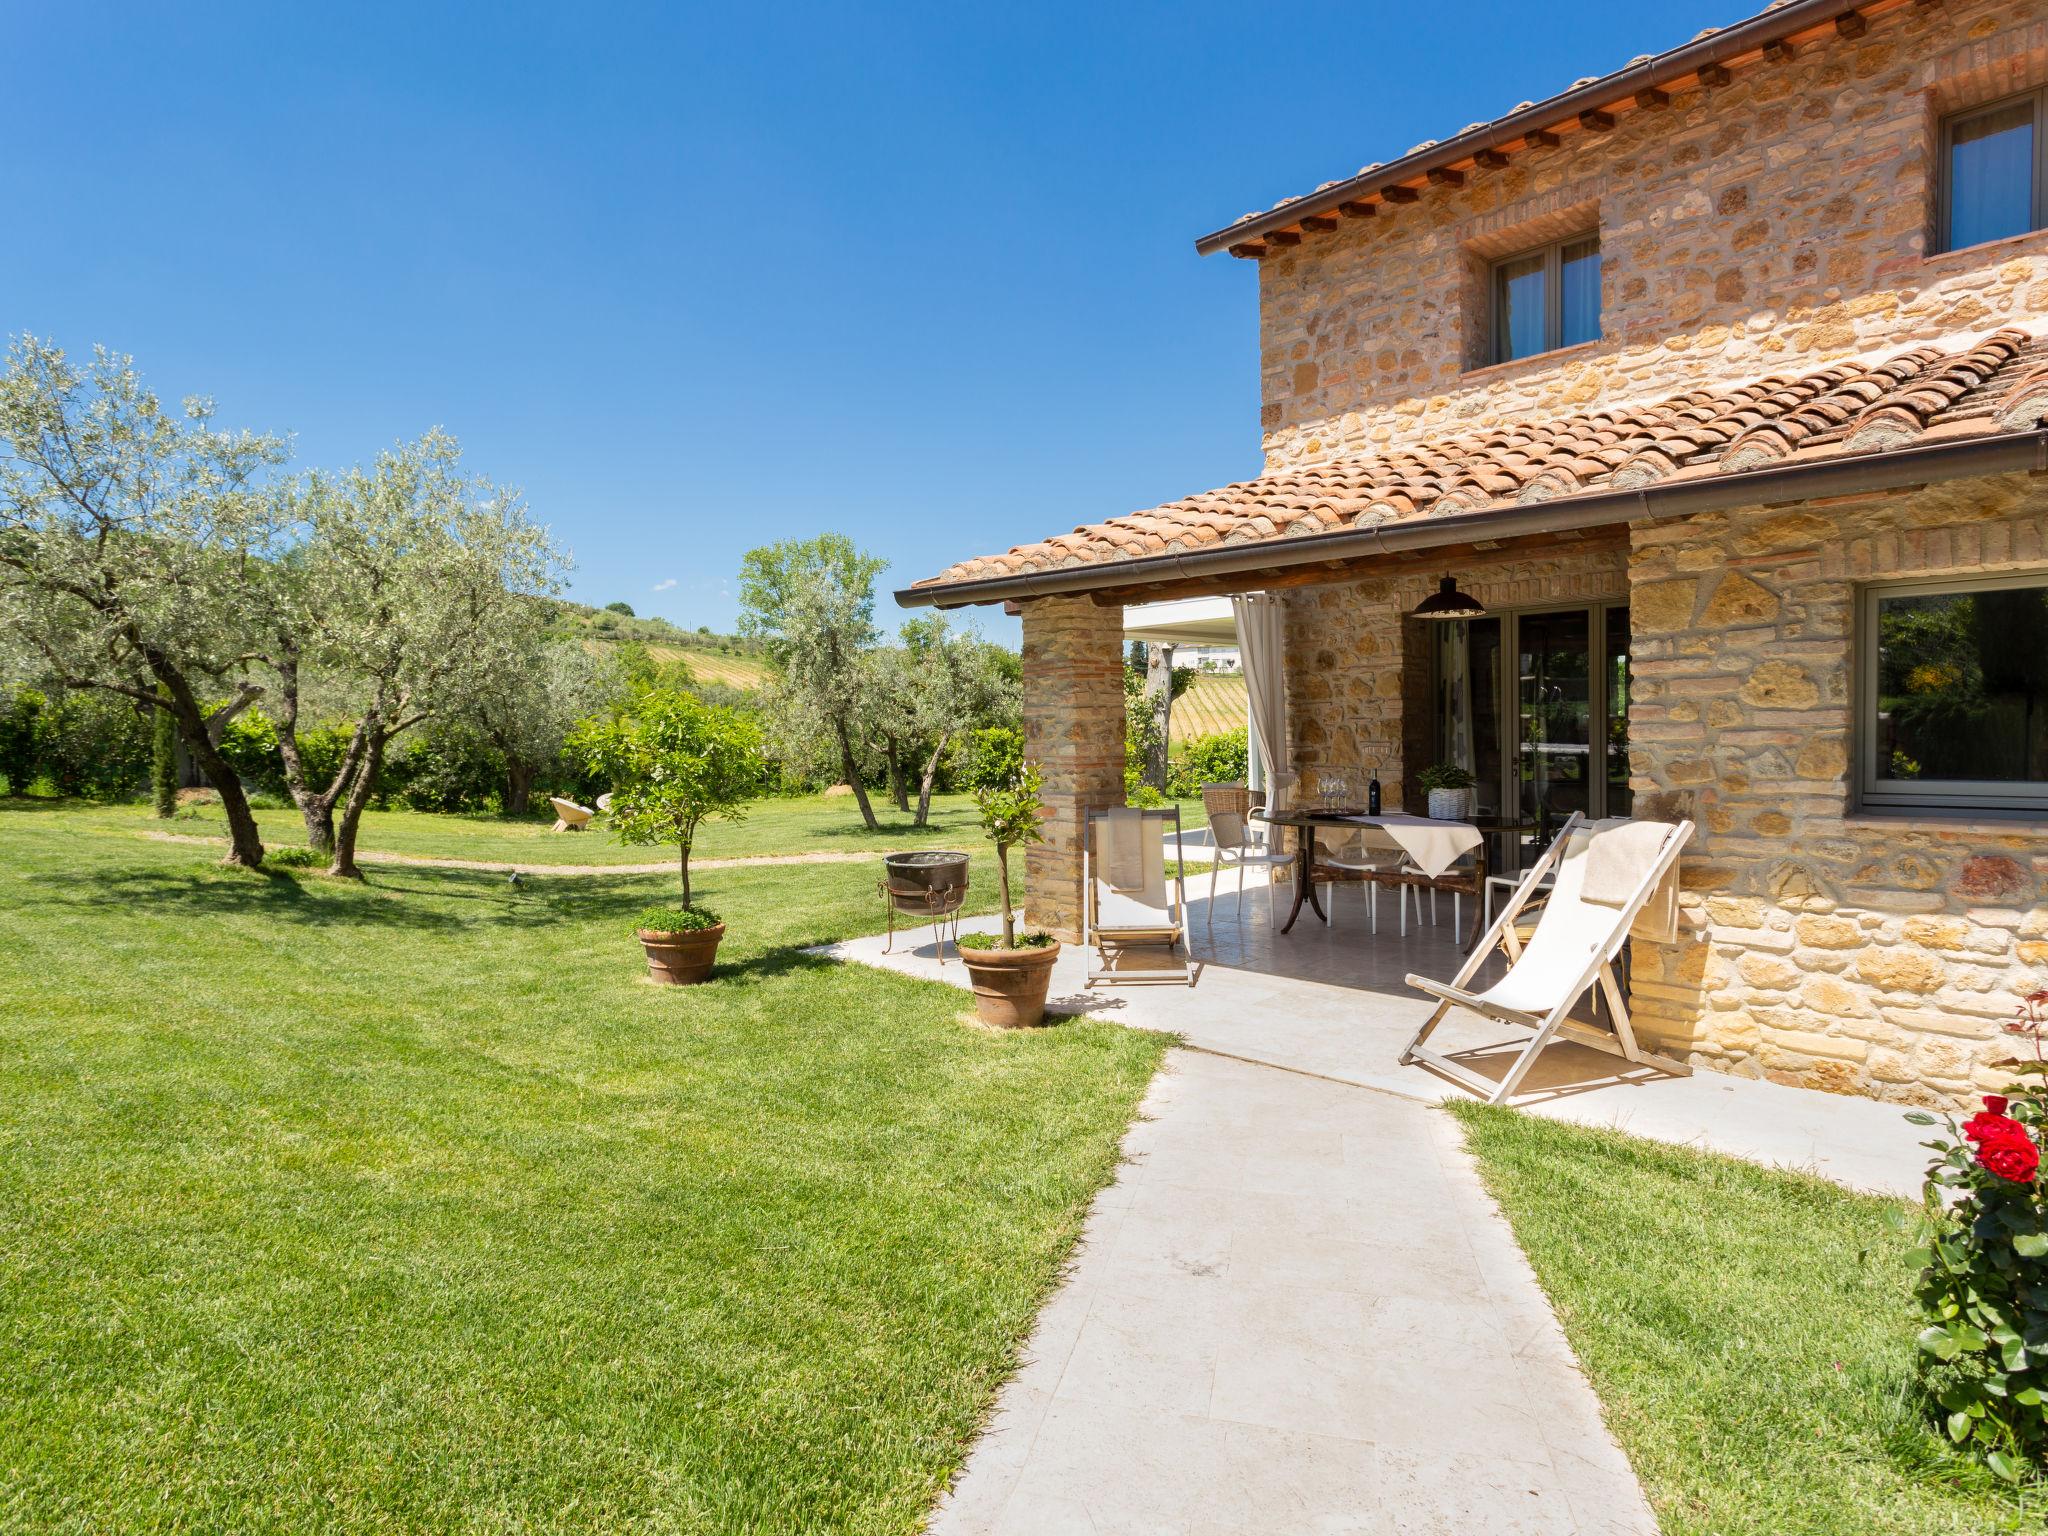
(1983, 1287)
(249, 743)
(95, 744)
(1145, 798)
(293, 858)
(450, 769)
(692, 919)
(995, 941)
(21, 728)
(1216, 759)
(990, 758)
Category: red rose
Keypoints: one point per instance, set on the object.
(1987, 1125)
(2013, 1158)
(1995, 1102)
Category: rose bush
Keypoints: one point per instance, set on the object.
(1984, 1274)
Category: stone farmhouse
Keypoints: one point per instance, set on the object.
(1719, 386)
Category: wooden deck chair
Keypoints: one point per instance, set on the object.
(1130, 904)
(1574, 945)
(569, 816)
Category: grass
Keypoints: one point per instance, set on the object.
(1749, 1331)
(409, 1206)
(771, 827)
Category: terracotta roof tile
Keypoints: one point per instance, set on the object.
(1997, 383)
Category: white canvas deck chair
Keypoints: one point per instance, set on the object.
(1131, 905)
(1610, 876)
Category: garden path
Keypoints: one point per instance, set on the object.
(1295, 1310)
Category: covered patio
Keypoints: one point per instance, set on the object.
(1330, 1003)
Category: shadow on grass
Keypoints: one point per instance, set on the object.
(783, 960)
(316, 900)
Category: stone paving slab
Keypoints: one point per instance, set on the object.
(1294, 1311)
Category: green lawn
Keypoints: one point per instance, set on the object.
(408, 1206)
(1750, 1334)
(812, 824)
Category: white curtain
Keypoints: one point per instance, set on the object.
(1262, 644)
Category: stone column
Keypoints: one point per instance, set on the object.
(1074, 732)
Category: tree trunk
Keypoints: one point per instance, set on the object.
(163, 760)
(359, 791)
(852, 772)
(245, 844)
(518, 786)
(898, 793)
(1003, 885)
(316, 809)
(924, 783)
(1159, 695)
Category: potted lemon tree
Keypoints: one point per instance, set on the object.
(1010, 972)
(674, 761)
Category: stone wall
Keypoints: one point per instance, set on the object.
(1358, 670)
(1781, 222)
(1074, 732)
(1856, 952)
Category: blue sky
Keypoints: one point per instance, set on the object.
(701, 277)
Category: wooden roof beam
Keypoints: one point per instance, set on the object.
(1249, 250)
(1851, 25)
(1444, 176)
(1318, 223)
(1541, 138)
(1358, 208)
(1490, 159)
(1399, 194)
(1713, 76)
(1594, 120)
(1651, 99)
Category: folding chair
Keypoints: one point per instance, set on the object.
(1574, 945)
(1127, 845)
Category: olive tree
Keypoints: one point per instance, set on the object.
(931, 690)
(409, 598)
(672, 761)
(813, 602)
(131, 536)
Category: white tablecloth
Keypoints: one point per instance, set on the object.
(1431, 846)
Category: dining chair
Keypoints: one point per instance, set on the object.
(1237, 848)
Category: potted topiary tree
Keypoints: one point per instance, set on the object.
(1450, 790)
(1010, 974)
(673, 761)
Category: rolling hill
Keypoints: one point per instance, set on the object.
(1214, 701)
(711, 658)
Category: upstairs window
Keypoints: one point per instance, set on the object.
(1994, 175)
(1954, 708)
(1546, 298)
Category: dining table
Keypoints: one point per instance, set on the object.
(1431, 844)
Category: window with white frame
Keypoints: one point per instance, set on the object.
(1994, 175)
(1546, 298)
(1953, 677)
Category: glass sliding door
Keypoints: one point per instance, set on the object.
(1535, 703)
(1554, 713)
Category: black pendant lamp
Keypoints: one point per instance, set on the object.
(1449, 603)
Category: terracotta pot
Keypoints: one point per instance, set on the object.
(681, 959)
(1010, 984)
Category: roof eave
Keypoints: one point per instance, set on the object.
(1613, 90)
(1840, 475)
